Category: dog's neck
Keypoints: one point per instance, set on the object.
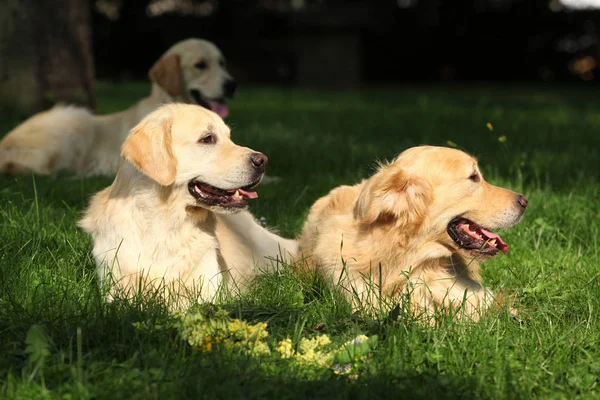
(121, 122)
(159, 96)
(404, 244)
(415, 253)
(154, 198)
(156, 98)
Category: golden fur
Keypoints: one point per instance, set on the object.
(391, 229)
(147, 227)
(71, 139)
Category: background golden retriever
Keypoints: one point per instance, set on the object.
(417, 227)
(175, 213)
(72, 139)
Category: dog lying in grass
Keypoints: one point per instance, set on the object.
(416, 229)
(176, 211)
(71, 139)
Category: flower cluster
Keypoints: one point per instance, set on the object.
(319, 352)
(204, 333)
(285, 348)
(214, 328)
(313, 351)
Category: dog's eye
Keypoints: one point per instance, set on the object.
(200, 65)
(208, 139)
(475, 177)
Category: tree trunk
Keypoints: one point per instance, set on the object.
(18, 58)
(45, 53)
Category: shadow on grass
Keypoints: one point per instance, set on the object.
(110, 358)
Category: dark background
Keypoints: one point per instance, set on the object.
(354, 42)
(52, 51)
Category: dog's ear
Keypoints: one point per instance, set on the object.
(166, 73)
(148, 147)
(394, 197)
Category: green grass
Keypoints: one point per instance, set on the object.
(82, 347)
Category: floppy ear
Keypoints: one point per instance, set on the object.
(393, 198)
(166, 73)
(148, 147)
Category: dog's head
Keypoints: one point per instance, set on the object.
(189, 148)
(194, 71)
(439, 195)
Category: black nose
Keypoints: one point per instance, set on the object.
(229, 87)
(259, 160)
(522, 200)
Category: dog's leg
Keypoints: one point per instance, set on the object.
(244, 244)
(264, 242)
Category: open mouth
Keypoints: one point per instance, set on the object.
(225, 198)
(471, 236)
(217, 106)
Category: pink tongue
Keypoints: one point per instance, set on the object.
(219, 108)
(499, 242)
(250, 195)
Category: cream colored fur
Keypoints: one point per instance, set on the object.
(148, 230)
(390, 231)
(73, 140)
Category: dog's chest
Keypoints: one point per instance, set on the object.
(182, 250)
(159, 250)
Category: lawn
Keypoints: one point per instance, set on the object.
(58, 339)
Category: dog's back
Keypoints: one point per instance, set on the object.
(339, 203)
(47, 142)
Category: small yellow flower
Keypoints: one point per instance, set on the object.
(285, 348)
(502, 139)
(305, 345)
(323, 340)
(260, 348)
(489, 126)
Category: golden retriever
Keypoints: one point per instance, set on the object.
(175, 213)
(415, 229)
(71, 139)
